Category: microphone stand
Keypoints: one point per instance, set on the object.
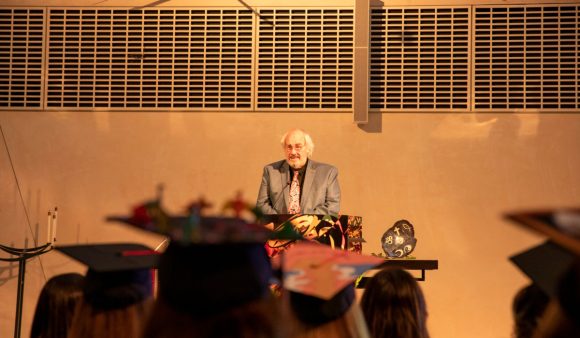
(280, 195)
(22, 256)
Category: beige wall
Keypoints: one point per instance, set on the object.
(451, 175)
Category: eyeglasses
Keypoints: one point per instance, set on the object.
(297, 147)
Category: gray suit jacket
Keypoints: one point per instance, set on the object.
(320, 192)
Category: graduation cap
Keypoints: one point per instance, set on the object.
(118, 273)
(545, 265)
(554, 265)
(556, 271)
(320, 279)
(562, 226)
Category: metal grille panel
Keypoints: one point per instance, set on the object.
(150, 58)
(305, 59)
(455, 58)
(527, 58)
(419, 58)
(21, 57)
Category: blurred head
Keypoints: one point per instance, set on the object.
(214, 290)
(569, 294)
(260, 318)
(319, 295)
(204, 279)
(313, 317)
(315, 311)
(394, 306)
(117, 290)
(298, 147)
(93, 322)
(561, 318)
(528, 306)
(56, 306)
(114, 304)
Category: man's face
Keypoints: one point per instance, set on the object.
(295, 150)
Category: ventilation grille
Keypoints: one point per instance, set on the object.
(419, 58)
(305, 59)
(527, 58)
(458, 58)
(118, 58)
(21, 51)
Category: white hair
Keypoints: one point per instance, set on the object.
(307, 141)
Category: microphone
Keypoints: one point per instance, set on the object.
(280, 195)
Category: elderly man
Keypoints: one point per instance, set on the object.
(299, 184)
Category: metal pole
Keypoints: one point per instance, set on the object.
(19, 295)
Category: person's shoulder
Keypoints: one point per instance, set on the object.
(321, 165)
(275, 165)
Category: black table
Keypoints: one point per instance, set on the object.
(407, 264)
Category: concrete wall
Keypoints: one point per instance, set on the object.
(451, 175)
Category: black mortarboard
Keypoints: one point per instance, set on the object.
(118, 273)
(544, 265)
(554, 265)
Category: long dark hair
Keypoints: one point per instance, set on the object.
(394, 306)
(56, 305)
